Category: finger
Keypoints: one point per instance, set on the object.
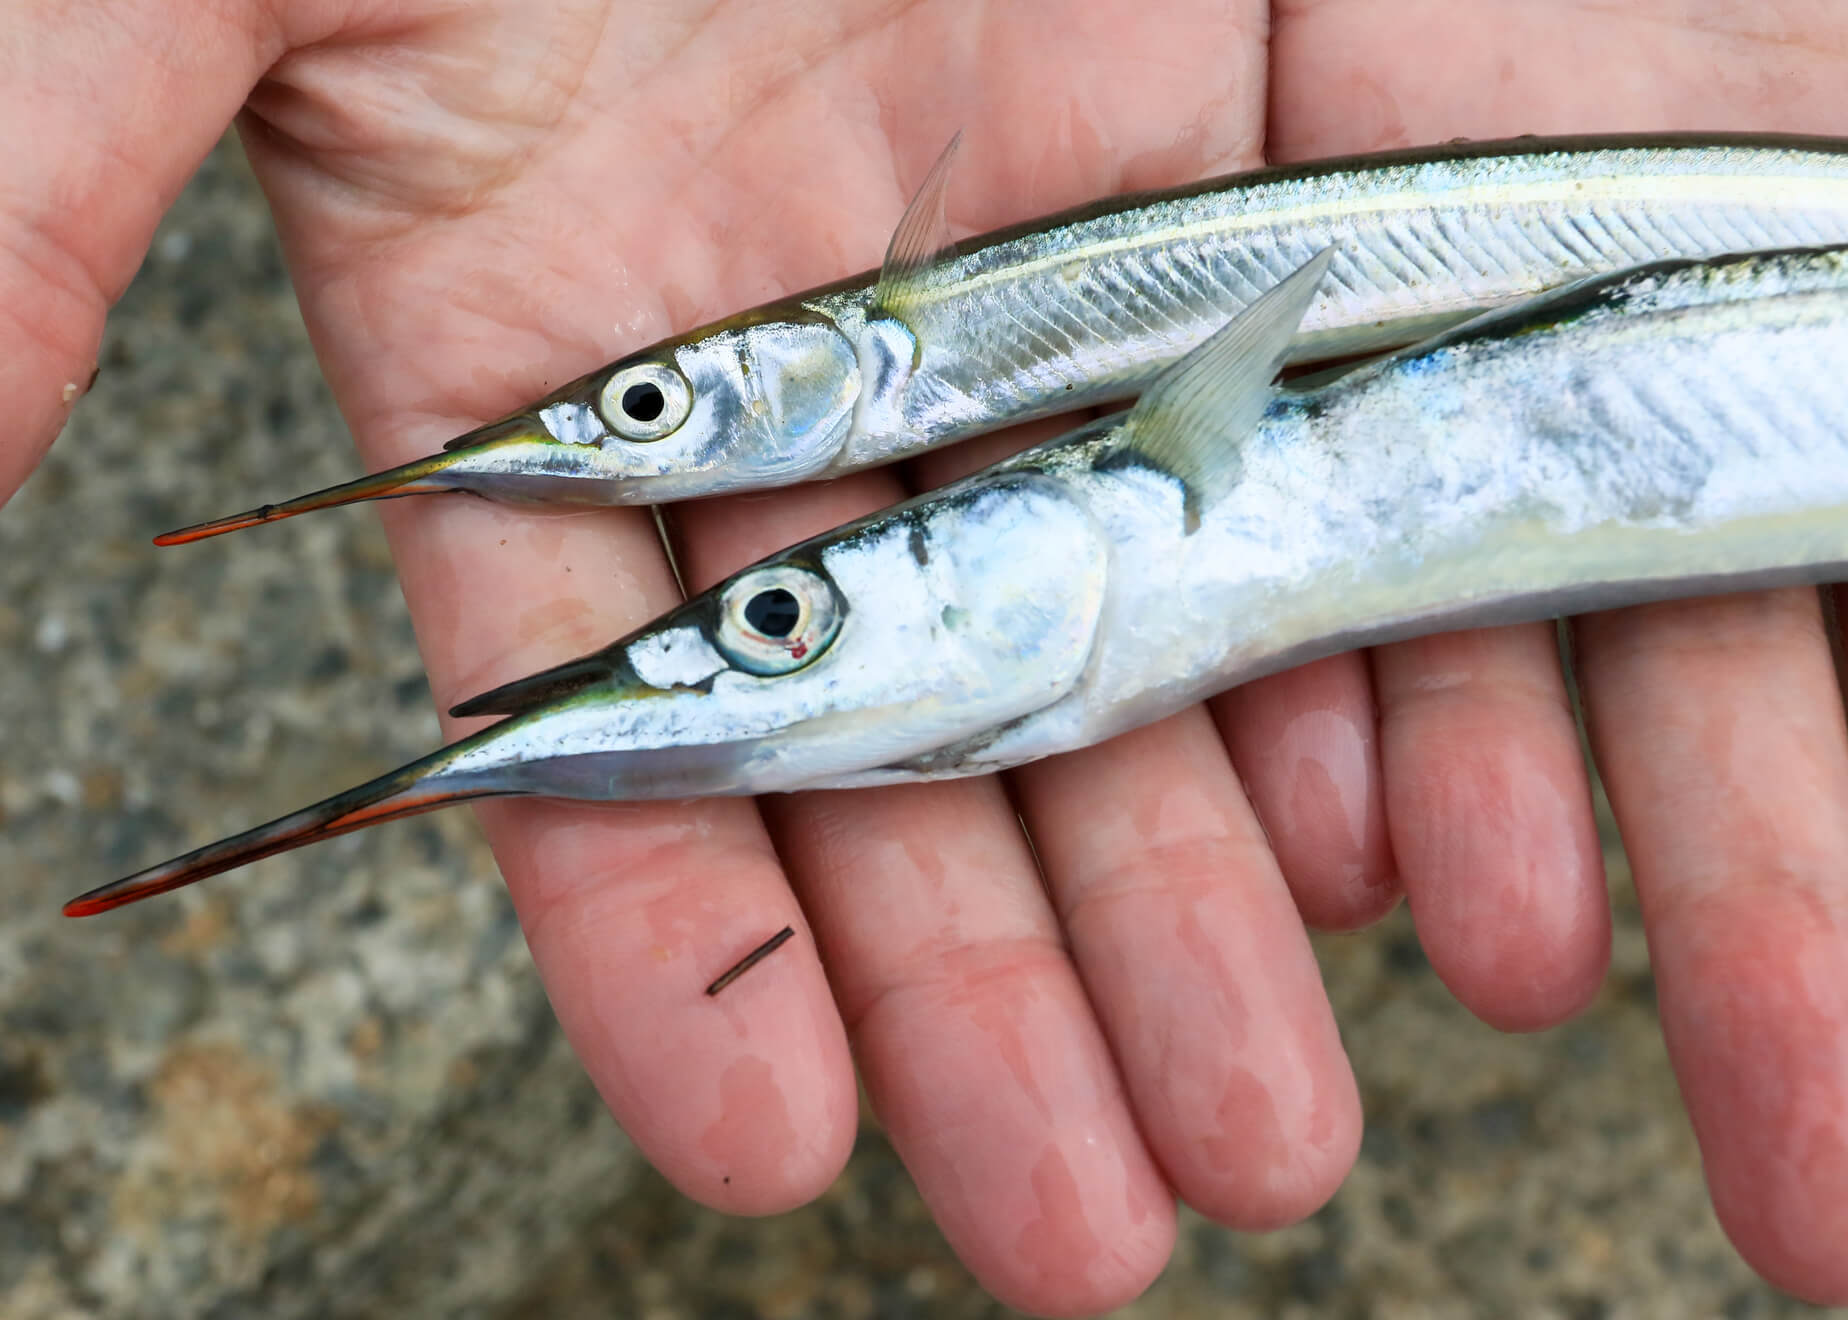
(1199, 967)
(1306, 744)
(980, 1050)
(1491, 816)
(1720, 732)
(744, 1101)
(1191, 951)
(978, 1046)
(109, 110)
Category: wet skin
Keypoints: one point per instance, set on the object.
(482, 203)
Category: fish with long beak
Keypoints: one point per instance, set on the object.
(1090, 306)
(1672, 430)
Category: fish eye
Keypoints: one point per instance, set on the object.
(774, 613)
(777, 619)
(645, 401)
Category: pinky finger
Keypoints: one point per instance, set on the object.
(1720, 730)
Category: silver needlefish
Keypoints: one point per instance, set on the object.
(1088, 307)
(1675, 429)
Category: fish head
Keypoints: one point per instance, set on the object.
(759, 401)
(907, 632)
(764, 399)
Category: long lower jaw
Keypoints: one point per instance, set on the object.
(569, 750)
(478, 462)
(406, 792)
(420, 478)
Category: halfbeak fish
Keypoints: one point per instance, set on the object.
(1090, 306)
(1671, 430)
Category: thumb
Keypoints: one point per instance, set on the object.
(110, 107)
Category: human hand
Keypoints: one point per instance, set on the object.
(480, 203)
(480, 206)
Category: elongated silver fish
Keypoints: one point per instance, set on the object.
(1088, 307)
(1671, 430)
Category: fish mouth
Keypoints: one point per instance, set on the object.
(499, 459)
(390, 797)
(632, 743)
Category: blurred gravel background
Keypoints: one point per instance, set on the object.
(332, 1086)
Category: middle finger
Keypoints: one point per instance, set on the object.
(1193, 954)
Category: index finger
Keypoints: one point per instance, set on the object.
(745, 1100)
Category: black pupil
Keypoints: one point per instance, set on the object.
(774, 613)
(644, 402)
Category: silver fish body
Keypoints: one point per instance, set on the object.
(1088, 307)
(1667, 431)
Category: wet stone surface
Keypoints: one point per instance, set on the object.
(334, 1088)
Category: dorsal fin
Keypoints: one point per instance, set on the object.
(921, 241)
(1189, 422)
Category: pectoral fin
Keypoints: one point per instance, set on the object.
(1189, 422)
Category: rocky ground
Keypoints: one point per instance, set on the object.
(334, 1088)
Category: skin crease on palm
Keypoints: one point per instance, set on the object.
(480, 201)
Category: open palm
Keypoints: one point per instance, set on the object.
(1061, 1037)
